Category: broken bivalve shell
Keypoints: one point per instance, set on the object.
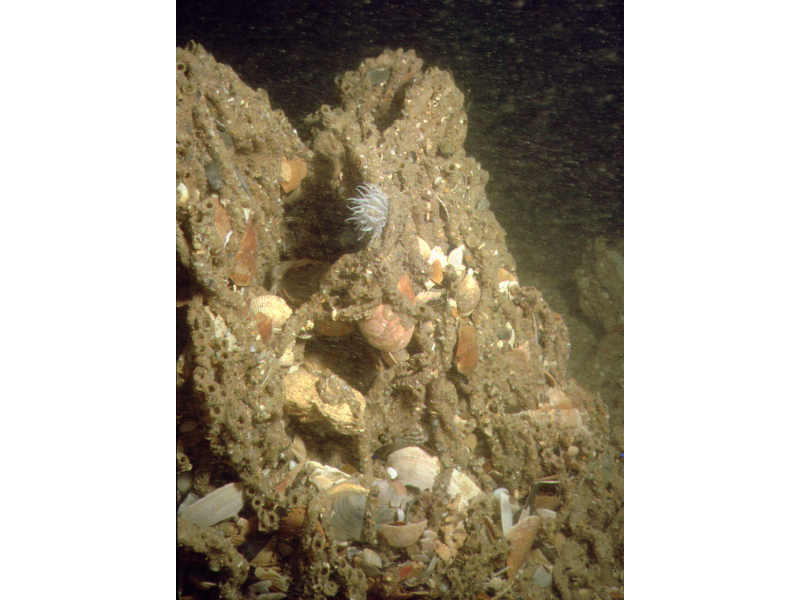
(468, 294)
(386, 330)
(324, 476)
(223, 503)
(348, 503)
(402, 536)
(414, 467)
(394, 496)
(521, 537)
(506, 515)
(461, 485)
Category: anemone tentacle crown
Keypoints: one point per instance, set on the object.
(370, 210)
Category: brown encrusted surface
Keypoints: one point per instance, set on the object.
(400, 127)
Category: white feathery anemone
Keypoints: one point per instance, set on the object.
(370, 210)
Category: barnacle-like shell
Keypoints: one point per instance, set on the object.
(402, 536)
(468, 294)
(414, 467)
(386, 330)
(348, 502)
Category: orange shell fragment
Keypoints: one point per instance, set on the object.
(292, 173)
(244, 263)
(222, 222)
(467, 349)
(386, 330)
(405, 288)
(505, 275)
(264, 325)
(437, 273)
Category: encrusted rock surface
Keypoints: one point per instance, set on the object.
(269, 398)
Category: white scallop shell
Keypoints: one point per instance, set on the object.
(414, 467)
(348, 504)
(468, 294)
(223, 503)
(424, 248)
(456, 258)
(273, 307)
